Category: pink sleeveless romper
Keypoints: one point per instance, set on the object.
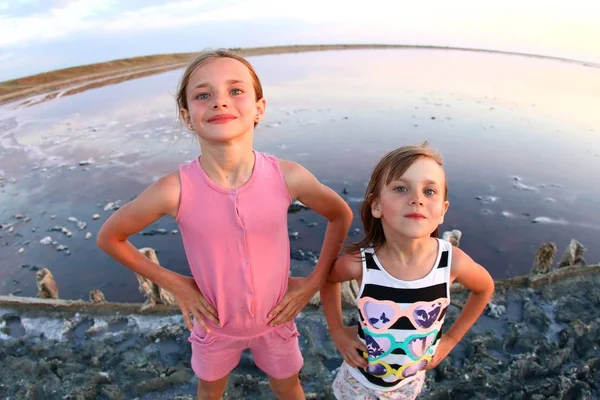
(237, 246)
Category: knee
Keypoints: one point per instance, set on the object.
(210, 391)
(285, 388)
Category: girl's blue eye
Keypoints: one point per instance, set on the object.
(202, 96)
(236, 91)
(401, 189)
(429, 192)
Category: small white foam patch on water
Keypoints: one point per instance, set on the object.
(522, 186)
(508, 214)
(354, 199)
(292, 112)
(486, 199)
(548, 220)
(306, 122)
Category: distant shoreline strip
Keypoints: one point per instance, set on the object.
(63, 82)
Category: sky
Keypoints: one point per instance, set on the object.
(42, 35)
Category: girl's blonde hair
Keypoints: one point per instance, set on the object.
(391, 166)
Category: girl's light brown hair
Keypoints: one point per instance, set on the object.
(203, 57)
(391, 166)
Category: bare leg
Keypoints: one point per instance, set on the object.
(287, 388)
(211, 390)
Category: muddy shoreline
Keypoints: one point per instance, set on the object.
(67, 81)
(536, 340)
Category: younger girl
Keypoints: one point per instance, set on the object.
(404, 272)
(231, 206)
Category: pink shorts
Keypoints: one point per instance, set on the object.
(276, 352)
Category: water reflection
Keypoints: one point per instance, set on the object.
(519, 137)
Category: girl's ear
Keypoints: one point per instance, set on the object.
(261, 106)
(185, 116)
(375, 206)
(445, 208)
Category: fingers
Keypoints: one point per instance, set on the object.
(431, 364)
(354, 359)
(360, 345)
(198, 318)
(280, 318)
(208, 311)
(287, 314)
(282, 304)
(186, 317)
(209, 308)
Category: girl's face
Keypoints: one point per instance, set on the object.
(413, 205)
(221, 100)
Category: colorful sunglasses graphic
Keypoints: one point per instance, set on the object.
(415, 346)
(381, 369)
(380, 315)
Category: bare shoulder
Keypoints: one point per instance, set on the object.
(469, 273)
(297, 178)
(292, 170)
(288, 166)
(170, 182)
(159, 199)
(460, 259)
(163, 194)
(347, 267)
(305, 187)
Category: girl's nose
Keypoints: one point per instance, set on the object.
(417, 200)
(219, 104)
(220, 101)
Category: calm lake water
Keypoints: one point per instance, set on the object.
(520, 138)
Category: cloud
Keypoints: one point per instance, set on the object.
(549, 26)
(57, 22)
(5, 57)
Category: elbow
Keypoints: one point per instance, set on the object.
(333, 277)
(348, 213)
(485, 290)
(344, 215)
(101, 240)
(330, 279)
(104, 240)
(488, 292)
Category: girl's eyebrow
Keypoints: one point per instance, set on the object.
(426, 181)
(229, 82)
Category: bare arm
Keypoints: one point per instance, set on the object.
(303, 186)
(347, 267)
(475, 278)
(161, 198)
(158, 200)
